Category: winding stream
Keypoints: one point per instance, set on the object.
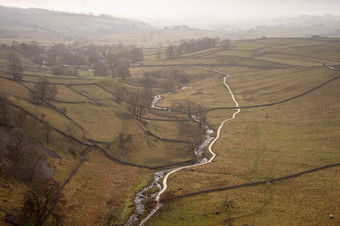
(160, 174)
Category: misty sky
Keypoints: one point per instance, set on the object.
(143, 9)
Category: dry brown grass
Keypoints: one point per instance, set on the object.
(13, 88)
(99, 122)
(98, 186)
(67, 94)
(264, 143)
(181, 130)
(208, 92)
(305, 200)
(96, 93)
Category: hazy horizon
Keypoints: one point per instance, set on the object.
(190, 9)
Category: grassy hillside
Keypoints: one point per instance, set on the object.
(46, 25)
(267, 142)
(261, 144)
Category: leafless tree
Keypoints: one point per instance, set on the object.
(19, 140)
(168, 85)
(139, 100)
(22, 116)
(69, 126)
(170, 52)
(2, 164)
(123, 72)
(4, 110)
(42, 116)
(136, 54)
(15, 67)
(48, 129)
(226, 43)
(228, 205)
(41, 202)
(63, 110)
(101, 70)
(119, 94)
(33, 158)
(44, 91)
(159, 53)
(19, 143)
(190, 106)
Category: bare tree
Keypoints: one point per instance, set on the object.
(22, 116)
(119, 94)
(63, 110)
(42, 116)
(226, 44)
(159, 53)
(190, 106)
(48, 129)
(101, 70)
(168, 85)
(4, 110)
(15, 67)
(19, 143)
(136, 54)
(19, 140)
(69, 126)
(41, 202)
(2, 164)
(228, 205)
(44, 91)
(170, 52)
(33, 158)
(139, 100)
(123, 72)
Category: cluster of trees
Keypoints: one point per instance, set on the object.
(15, 67)
(193, 45)
(43, 204)
(117, 61)
(189, 108)
(169, 79)
(108, 60)
(139, 100)
(8, 116)
(43, 91)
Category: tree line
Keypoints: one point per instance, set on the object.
(61, 59)
(194, 45)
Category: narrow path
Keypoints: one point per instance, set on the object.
(165, 180)
(274, 103)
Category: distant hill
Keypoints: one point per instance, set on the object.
(301, 26)
(17, 23)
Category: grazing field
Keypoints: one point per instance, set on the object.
(99, 189)
(288, 123)
(265, 143)
(284, 203)
(294, 60)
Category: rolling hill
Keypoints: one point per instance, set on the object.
(33, 23)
